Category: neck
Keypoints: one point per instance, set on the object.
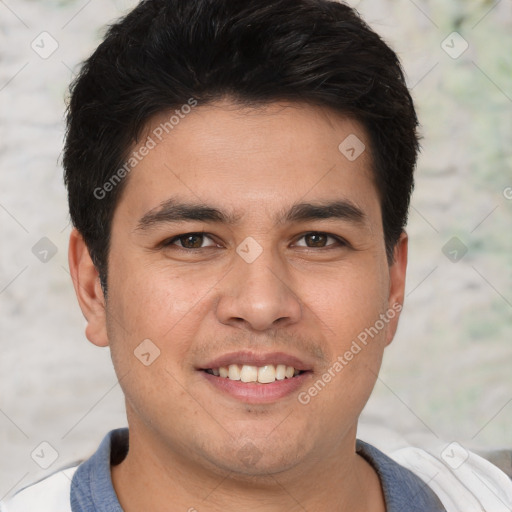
(153, 477)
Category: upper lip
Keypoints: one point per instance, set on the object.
(257, 359)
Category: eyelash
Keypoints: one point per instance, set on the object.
(340, 242)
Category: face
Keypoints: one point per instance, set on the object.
(247, 243)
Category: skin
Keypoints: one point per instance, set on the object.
(186, 438)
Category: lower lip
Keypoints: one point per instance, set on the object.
(255, 393)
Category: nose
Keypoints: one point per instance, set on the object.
(256, 295)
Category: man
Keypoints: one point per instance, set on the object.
(239, 176)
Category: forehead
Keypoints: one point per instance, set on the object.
(241, 158)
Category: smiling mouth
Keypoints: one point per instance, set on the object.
(256, 374)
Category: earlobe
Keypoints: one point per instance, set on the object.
(88, 290)
(397, 274)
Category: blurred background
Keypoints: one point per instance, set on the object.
(447, 375)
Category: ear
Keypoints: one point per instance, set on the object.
(397, 271)
(88, 290)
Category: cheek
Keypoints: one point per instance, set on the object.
(152, 299)
(151, 308)
(156, 303)
(347, 300)
(351, 308)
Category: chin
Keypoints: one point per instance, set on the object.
(258, 457)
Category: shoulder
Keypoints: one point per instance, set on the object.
(52, 494)
(460, 478)
(81, 486)
(402, 488)
(449, 474)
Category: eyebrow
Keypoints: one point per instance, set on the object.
(173, 211)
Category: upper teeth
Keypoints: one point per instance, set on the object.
(262, 374)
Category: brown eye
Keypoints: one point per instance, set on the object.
(189, 241)
(316, 239)
(320, 240)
